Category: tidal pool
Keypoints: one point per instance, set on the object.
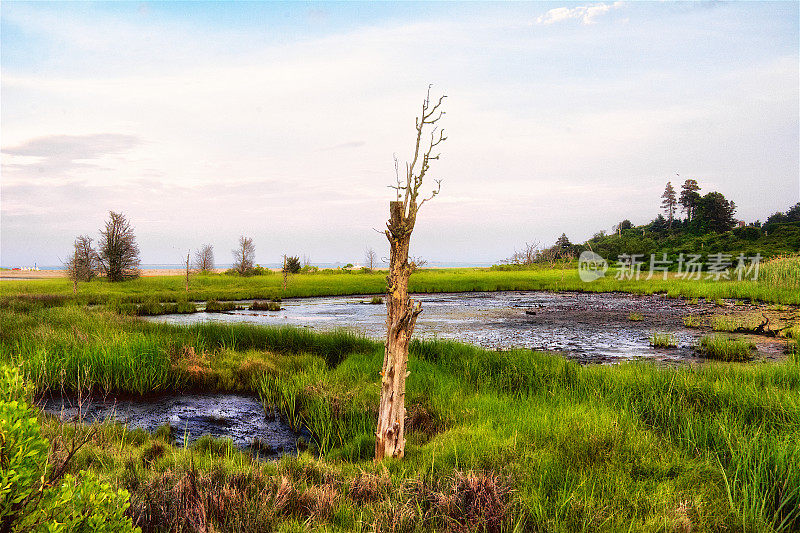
(588, 327)
(238, 417)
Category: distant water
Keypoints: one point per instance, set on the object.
(165, 266)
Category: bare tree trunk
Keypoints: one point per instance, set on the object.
(400, 320)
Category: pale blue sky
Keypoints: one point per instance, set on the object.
(204, 121)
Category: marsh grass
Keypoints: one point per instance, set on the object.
(265, 305)
(723, 348)
(693, 321)
(58, 291)
(783, 271)
(663, 340)
(213, 306)
(583, 448)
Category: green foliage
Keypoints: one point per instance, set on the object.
(32, 497)
(714, 213)
(292, 265)
(635, 317)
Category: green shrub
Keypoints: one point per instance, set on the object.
(292, 265)
(32, 497)
(376, 300)
(635, 317)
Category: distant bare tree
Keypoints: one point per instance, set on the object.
(416, 262)
(306, 260)
(529, 255)
(204, 259)
(402, 312)
(369, 257)
(84, 263)
(244, 255)
(119, 254)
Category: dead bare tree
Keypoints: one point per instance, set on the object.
(528, 256)
(119, 254)
(204, 259)
(402, 312)
(369, 257)
(244, 256)
(84, 263)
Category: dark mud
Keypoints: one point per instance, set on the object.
(588, 327)
(237, 417)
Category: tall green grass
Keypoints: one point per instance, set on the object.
(586, 448)
(726, 349)
(72, 348)
(783, 271)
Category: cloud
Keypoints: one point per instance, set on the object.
(344, 146)
(59, 154)
(586, 14)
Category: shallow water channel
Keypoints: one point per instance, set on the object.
(588, 327)
(238, 417)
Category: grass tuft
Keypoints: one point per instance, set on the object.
(725, 349)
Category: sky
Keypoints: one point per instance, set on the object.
(205, 121)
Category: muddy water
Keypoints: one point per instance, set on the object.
(584, 326)
(238, 417)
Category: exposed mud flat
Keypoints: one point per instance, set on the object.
(238, 417)
(588, 327)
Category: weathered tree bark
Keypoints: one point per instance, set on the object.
(402, 313)
(400, 320)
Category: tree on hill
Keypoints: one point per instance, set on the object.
(659, 224)
(563, 242)
(792, 215)
(689, 197)
(669, 202)
(622, 226)
(119, 254)
(715, 213)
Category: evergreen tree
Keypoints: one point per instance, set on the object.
(669, 202)
(715, 213)
(689, 197)
(563, 242)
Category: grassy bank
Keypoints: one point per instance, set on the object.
(497, 441)
(223, 287)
